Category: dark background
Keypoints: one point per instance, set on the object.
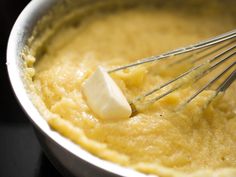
(20, 152)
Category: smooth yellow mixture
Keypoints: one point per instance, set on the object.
(191, 142)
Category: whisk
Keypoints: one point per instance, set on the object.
(212, 53)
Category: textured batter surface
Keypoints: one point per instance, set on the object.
(156, 140)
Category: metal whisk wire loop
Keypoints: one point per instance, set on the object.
(216, 51)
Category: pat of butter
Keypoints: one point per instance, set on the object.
(104, 97)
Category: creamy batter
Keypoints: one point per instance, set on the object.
(192, 141)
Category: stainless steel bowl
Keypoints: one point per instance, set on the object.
(68, 158)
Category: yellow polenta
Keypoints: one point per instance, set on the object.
(191, 142)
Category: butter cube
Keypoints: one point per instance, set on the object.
(104, 97)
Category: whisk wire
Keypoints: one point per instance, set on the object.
(211, 82)
(204, 44)
(222, 87)
(203, 73)
(214, 51)
(214, 57)
(186, 58)
(228, 81)
(199, 76)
